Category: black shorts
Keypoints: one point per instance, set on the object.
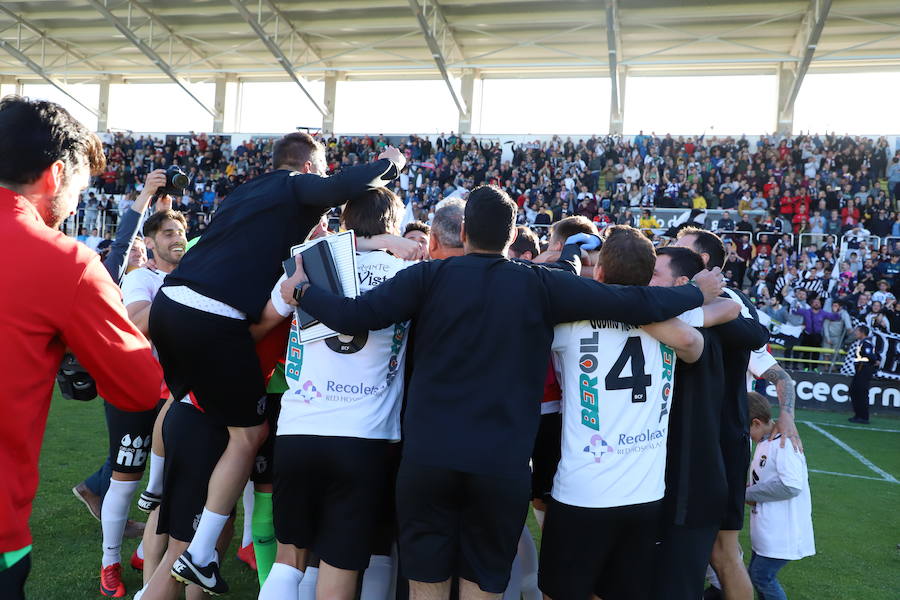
(460, 524)
(736, 454)
(328, 494)
(130, 435)
(679, 568)
(194, 443)
(545, 456)
(602, 551)
(263, 466)
(212, 356)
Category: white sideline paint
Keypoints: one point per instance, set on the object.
(868, 463)
(859, 427)
(851, 475)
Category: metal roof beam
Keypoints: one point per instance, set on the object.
(36, 68)
(614, 47)
(300, 35)
(276, 51)
(43, 35)
(441, 42)
(146, 50)
(806, 41)
(181, 39)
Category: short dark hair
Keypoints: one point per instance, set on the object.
(490, 217)
(683, 261)
(709, 243)
(417, 226)
(294, 149)
(155, 221)
(526, 241)
(758, 407)
(863, 328)
(569, 226)
(373, 213)
(627, 256)
(36, 133)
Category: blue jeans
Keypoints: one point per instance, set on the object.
(764, 576)
(98, 482)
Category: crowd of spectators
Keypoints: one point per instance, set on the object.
(839, 191)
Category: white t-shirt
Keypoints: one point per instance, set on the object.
(761, 360)
(141, 285)
(343, 386)
(781, 529)
(617, 383)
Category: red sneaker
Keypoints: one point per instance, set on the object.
(111, 581)
(248, 556)
(137, 563)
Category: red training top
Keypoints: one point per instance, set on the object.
(55, 293)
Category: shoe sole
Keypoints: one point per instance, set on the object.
(85, 502)
(184, 581)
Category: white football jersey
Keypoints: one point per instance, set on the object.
(761, 360)
(617, 383)
(346, 386)
(783, 528)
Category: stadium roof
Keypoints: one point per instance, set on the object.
(271, 40)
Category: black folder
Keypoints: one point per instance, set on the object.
(321, 270)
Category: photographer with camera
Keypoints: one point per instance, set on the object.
(74, 380)
(55, 294)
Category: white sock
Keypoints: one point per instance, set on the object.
(203, 546)
(155, 480)
(114, 514)
(140, 550)
(247, 538)
(307, 588)
(377, 578)
(529, 560)
(282, 583)
(514, 587)
(539, 517)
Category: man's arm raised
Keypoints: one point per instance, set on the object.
(577, 299)
(314, 190)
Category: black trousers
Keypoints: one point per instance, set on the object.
(859, 392)
(12, 580)
(814, 340)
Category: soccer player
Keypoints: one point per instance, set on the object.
(334, 453)
(420, 233)
(695, 481)
(741, 336)
(55, 293)
(200, 322)
(463, 486)
(130, 433)
(601, 526)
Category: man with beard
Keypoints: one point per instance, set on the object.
(55, 293)
(130, 433)
(739, 338)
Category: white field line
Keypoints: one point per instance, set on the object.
(868, 463)
(850, 475)
(859, 427)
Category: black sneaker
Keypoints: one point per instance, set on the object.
(208, 578)
(858, 420)
(148, 501)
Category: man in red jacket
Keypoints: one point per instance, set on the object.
(55, 294)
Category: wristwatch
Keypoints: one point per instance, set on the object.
(299, 290)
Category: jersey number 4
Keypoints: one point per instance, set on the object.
(639, 381)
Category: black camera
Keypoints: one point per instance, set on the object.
(176, 181)
(75, 383)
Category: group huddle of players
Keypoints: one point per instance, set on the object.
(618, 411)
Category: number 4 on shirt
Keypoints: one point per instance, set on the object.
(639, 381)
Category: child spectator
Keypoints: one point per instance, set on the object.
(778, 490)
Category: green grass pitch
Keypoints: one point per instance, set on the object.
(855, 518)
